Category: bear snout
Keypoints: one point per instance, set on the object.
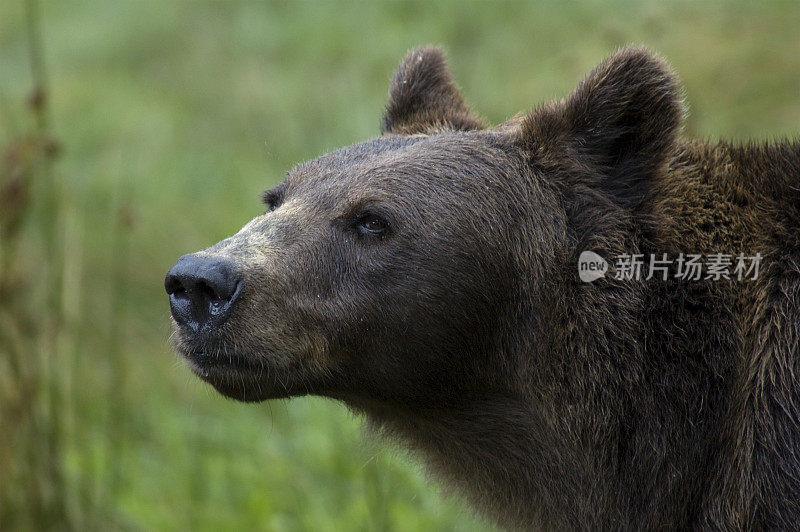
(202, 291)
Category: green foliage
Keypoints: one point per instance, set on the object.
(172, 117)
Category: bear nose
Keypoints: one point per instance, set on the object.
(202, 290)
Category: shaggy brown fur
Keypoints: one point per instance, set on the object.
(428, 279)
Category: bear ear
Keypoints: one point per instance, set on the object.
(620, 126)
(423, 97)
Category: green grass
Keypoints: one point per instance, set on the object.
(176, 115)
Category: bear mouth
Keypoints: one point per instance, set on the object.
(237, 376)
(234, 376)
(206, 360)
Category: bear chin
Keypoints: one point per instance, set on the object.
(243, 378)
(235, 376)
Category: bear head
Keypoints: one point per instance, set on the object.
(420, 267)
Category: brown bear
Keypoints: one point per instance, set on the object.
(431, 279)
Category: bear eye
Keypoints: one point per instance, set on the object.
(371, 224)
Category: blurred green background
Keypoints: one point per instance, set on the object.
(161, 124)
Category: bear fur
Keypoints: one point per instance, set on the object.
(428, 279)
